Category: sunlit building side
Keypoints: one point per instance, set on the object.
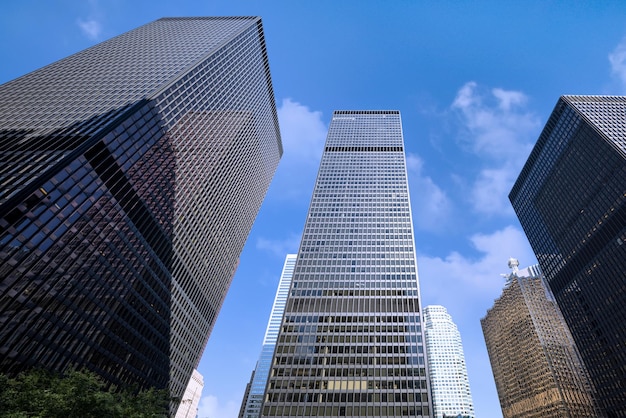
(535, 363)
(446, 364)
(188, 407)
(351, 341)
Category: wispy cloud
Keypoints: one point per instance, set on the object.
(92, 25)
(302, 130)
(498, 129)
(430, 205)
(279, 247)
(477, 278)
(210, 407)
(617, 58)
(303, 134)
(91, 28)
(491, 188)
(496, 123)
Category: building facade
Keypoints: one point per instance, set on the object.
(351, 340)
(571, 201)
(534, 360)
(131, 174)
(446, 364)
(188, 407)
(253, 398)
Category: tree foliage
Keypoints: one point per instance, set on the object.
(76, 394)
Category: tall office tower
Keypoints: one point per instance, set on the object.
(535, 363)
(571, 201)
(446, 362)
(191, 398)
(253, 398)
(131, 174)
(350, 343)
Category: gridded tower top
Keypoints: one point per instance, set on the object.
(112, 74)
(365, 128)
(607, 114)
(52, 113)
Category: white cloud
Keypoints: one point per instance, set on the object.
(429, 203)
(476, 281)
(210, 407)
(92, 28)
(303, 135)
(617, 58)
(491, 188)
(507, 98)
(279, 247)
(500, 131)
(497, 124)
(302, 130)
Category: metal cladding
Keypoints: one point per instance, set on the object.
(570, 199)
(351, 339)
(535, 362)
(131, 173)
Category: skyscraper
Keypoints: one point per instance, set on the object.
(253, 399)
(571, 201)
(535, 363)
(446, 363)
(351, 340)
(191, 398)
(131, 173)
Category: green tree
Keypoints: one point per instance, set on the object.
(76, 394)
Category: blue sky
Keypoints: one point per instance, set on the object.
(474, 81)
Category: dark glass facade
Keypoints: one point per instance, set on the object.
(130, 176)
(571, 201)
(351, 338)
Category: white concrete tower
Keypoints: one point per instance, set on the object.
(448, 374)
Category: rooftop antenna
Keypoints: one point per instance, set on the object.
(513, 265)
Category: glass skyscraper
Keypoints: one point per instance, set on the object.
(253, 399)
(351, 340)
(571, 201)
(535, 363)
(130, 176)
(446, 361)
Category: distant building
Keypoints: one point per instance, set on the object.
(130, 176)
(191, 398)
(246, 393)
(351, 340)
(446, 364)
(253, 398)
(570, 199)
(535, 363)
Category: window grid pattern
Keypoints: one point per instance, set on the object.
(120, 258)
(253, 400)
(46, 114)
(571, 201)
(535, 362)
(446, 362)
(351, 340)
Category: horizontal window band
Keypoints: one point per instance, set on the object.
(364, 149)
